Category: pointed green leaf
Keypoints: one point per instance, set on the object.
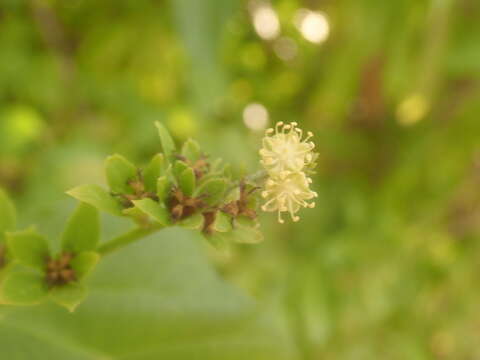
(29, 248)
(119, 172)
(154, 210)
(194, 222)
(69, 295)
(83, 230)
(137, 215)
(213, 189)
(8, 216)
(84, 263)
(219, 242)
(223, 222)
(153, 171)
(23, 288)
(246, 231)
(178, 168)
(191, 150)
(168, 145)
(163, 188)
(186, 181)
(97, 197)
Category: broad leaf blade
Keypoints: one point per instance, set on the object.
(186, 181)
(84, 263)
(178, 168)
(150, 303)
(191, 150)
(194, 222)
(153, 171)
(245, 231)
(29, 248)
(223, 223)
(97, 197)
(168, 145)
(69, 295)
(83, 230)
(120, 172)
(164, 186)
(154, 210)
(213, 190)
(23, 288)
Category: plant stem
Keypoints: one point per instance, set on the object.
(127, 238)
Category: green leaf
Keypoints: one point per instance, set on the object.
(164, 187)
(83, 230)
(191, 150)
(137, 215)
(219, 242)
(8, 216)
(178, 168)
(168, 145)
(223, 222)
(97, 197)
(245, 231)
(154, 210)
(161, 299)
(194, 222)
(119, 172)
(186, 181)
(69, 295)
(214, 189)
(29, 248)
(23, 288)
(84, 263)
(153, 171)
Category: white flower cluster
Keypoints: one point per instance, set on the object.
(287, 157)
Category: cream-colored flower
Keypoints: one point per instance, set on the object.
(288, 193)
(285, 150)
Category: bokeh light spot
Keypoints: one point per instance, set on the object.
(265, 20)
(313, 25)
(255, 116)
(412, 109)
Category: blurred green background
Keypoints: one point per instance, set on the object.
(385, 267)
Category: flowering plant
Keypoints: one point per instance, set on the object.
(176, 188)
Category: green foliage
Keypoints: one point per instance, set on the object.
(168, 145)
(158, 195)
(186, 181)
(97, 197)
(119, 173)
(59, 277)
(8, 216)
(212, 189)
(191, 150)
(163, 188)
(160, 306)
(29, 248)
(384, 267)
(23, 288)
(84, 263)
(154, 210)
(194, 222)
(223, 223)
(69, 295)
(83, 230)
(153, 171)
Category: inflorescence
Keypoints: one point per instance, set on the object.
(287, 156)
